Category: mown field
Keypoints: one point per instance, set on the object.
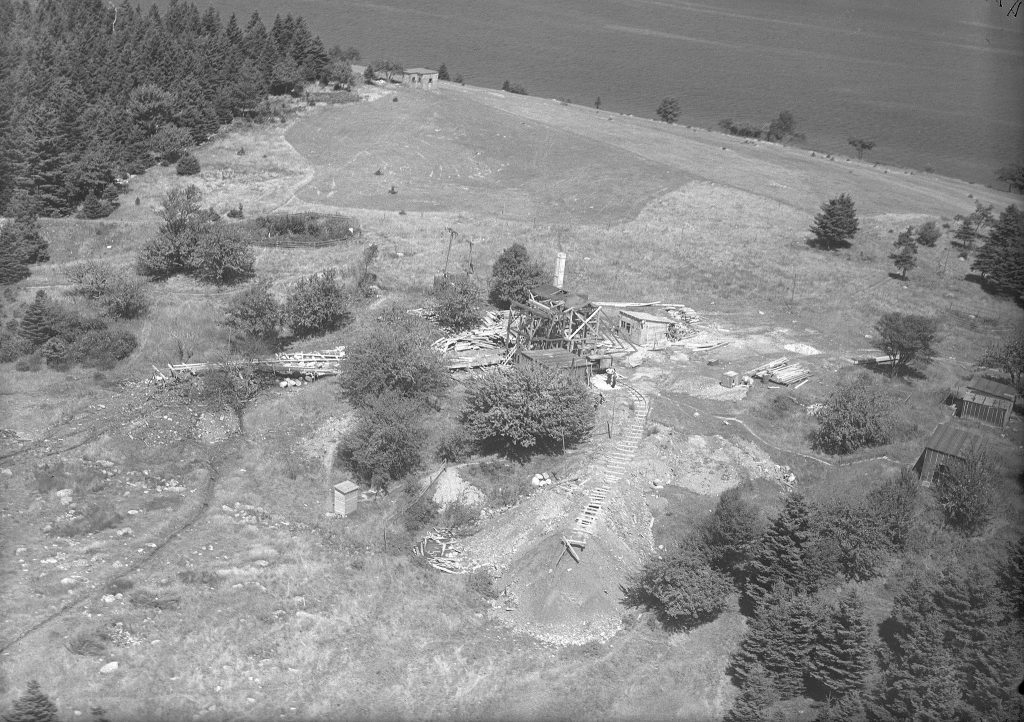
(269, 608)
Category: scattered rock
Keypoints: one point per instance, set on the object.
(108, 668)
(127, 531)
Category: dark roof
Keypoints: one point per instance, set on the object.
(989, 387)
(555, 357)
(952, 441)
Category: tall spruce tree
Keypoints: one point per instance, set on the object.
(780, 556)
(37, 323)
(756, 696)
(841, 658)
(1000, 260)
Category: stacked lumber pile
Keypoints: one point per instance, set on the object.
(681, 313)
(489, 335)
(313, 363)
(781, 371)
(442, 552)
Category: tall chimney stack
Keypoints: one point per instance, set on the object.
(559, 269)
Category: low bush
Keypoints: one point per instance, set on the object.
(120, 294)
(316, 305)
(255, 312)
(480, 582)
(858, 414)
(683, 590)
(188, 164)
(457, 304)
(456, 444)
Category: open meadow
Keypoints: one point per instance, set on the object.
(211, 572)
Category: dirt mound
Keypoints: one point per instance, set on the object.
(704, 464)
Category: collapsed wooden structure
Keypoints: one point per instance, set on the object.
(553, 318)
(310, 365)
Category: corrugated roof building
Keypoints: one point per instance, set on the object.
(987, 401)
(946, 445)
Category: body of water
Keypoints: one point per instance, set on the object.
(936, 84)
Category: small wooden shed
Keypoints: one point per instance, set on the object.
(645, 329)
(346, 498)
(558, 358)
(987, 401)
(949, 443)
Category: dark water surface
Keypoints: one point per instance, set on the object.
(935, 83)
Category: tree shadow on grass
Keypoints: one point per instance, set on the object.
(905, 374)
(820, 246)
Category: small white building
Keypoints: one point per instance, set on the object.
(423, 78)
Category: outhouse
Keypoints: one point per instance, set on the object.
(729, 379)
(346, 498)
(987, 401)
(946, 446)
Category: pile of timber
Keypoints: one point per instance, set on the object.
(441, 551)
(681, 313)
(312, 364)
(489, 335)
(874, 361)
(781, 371)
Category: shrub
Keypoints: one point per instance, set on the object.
(255, 312)
(456, 444)
(457, 305)
(858, 414)
(13, 346)
(120, 295)
(385, 445)
(683, 590)
(965, 491)
(316, 305)
(188, 164)
(512, 274)
(928, 234)
(520, 409)
(393, 353)
(480, 582)
(668, 110)
(102, 348)
(221, 255)
(93, 208)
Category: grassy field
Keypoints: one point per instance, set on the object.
(263, 607)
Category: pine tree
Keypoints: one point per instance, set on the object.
(780, 555)
(512, 274)
(92, 208)
(841, 658)
(756, 696)
(442, 72)
(12, 264)
(33, 706)
(37, 323)
(904, 255)
(836, 225)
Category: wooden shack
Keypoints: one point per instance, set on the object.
(558, 358)
(346, 498)
(949, 443)
(645, 329)
(987, 401)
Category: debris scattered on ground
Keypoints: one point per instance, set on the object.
(802, 349)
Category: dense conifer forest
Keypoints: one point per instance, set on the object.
(91, 92)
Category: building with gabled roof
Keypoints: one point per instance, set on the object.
(988, 401)
(948, 444)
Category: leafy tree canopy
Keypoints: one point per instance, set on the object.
(906, 338)
(668, 110)
(858, 414)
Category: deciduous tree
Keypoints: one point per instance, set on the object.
(964, 488)
(387, 440)
(861, 145)
(255, 312)
(1007, 357)
(906, 338)
(857, 414)
(393, 353)
(668, 110)
(316, 305)
(520, 409)
(1012, 176)
(457, 304)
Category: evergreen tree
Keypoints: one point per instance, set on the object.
(442, 72)
(92, 207)
(836, 225)
(32, 706)
(1000, 260)
(782, 638)
(841, 657)
(512, 275)
(38, 321)
(780, 556)
(904, 255)
(756, 696)
(12, 267)
(731, 532)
